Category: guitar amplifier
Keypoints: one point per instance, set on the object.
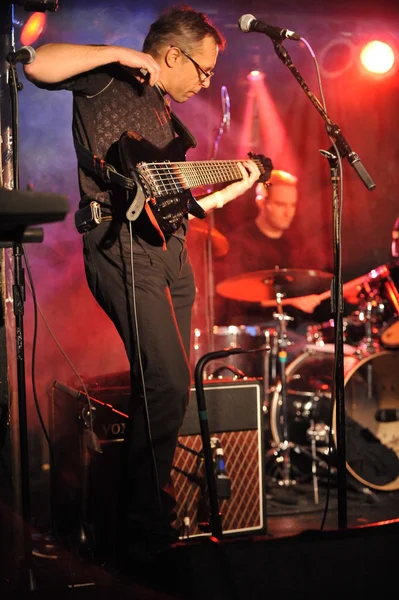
(235, 417)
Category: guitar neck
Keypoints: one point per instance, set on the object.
(210, 172)
(175, 177)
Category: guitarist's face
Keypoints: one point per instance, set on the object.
(184, 76)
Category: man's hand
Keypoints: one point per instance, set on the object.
(250, 175)
(144, 65)
(305, 303)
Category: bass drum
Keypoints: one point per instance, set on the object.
(371, 387)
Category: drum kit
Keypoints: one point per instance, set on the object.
(298, 393)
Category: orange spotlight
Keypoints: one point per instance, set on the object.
(377, 57)
(33, 28)
(255, 75)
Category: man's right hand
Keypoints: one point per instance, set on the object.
(141, 62)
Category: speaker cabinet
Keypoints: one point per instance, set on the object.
(235, 418)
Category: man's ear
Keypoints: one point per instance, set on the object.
(262, 199)
(172, 56)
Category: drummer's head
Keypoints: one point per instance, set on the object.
(277, 203)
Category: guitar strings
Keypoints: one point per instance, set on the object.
(172, 177)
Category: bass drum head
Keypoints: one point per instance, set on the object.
(371, 385)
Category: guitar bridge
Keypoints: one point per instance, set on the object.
(161, 179)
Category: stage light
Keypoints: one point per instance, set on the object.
(337, 57)
(33, 28)
(255, 75)
(377, 57)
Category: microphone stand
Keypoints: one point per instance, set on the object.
(342, 148)
(26, 577)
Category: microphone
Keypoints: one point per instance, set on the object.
(248, 23)
(226, 107)
(25, 55)
(387, 415)
(395, 240)
(223, 483)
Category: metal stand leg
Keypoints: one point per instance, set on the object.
(284, 446)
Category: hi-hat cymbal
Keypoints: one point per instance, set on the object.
(220, 245)
(262, 286)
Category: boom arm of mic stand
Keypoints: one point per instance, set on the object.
(332, 129)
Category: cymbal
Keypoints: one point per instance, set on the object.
(220, 245)
(262, 286)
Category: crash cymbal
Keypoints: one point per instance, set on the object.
(262, 286)
(220, 245)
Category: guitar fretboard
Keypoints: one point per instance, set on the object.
(167, 178)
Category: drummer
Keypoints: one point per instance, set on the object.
(268, 241)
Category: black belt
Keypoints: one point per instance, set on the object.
(88, 217)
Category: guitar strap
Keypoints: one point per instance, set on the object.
(107, 172)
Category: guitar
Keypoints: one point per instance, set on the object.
(164, 178)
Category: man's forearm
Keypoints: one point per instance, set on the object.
(57, 62)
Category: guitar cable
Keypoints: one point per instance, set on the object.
(136, 326)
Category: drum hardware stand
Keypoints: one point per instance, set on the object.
(369, 345)
(284, 447)
(315, 434)
(269, 367)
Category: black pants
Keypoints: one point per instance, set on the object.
(158, 322)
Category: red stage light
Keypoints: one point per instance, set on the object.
(377, 57)
(33, 28)
(255, 75)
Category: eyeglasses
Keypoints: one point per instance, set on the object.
(206, 74)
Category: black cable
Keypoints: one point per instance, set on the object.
(34, 345)
(147, 416)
